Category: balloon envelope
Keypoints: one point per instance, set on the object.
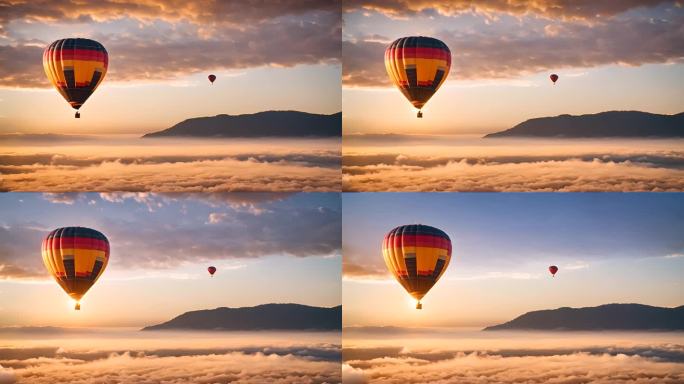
(75, 67)
(212, 78)
(211, 270)
(553, 269)
(418, 66)
(417, 255)
(75, 257)
(554, 78)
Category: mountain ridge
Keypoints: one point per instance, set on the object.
(614, 316)
(634, 124)
(272, 316)
(259, 124)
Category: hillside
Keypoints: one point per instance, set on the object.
(263, 124)
(605, 317)
(261, 317)
(631, 124)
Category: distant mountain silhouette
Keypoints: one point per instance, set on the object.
(604, 124)
(261, 317)
(605, 317)
(262, 124)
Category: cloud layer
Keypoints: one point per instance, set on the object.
(551, 9)
(285, 166)
(511, 166)
(608, 365)
(273, 364)
(160, 40)
(503, 50)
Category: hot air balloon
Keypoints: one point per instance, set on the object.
(211, 270)
(212, 78)
(417, 255)
(553, 78)
(418, 66)
(553, 269)
(75, 257)
(75, 67)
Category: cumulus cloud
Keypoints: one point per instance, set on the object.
(351, 375)
(62, 198)
(353, 269)
(313, 170)
(199, 366)
(550, 9)
(580, 172)
(497, 53)
(7, 376)
(159, 40)
(513, 367)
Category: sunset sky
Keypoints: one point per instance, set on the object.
(612, 55)
(270, 55)
(267, 248)
(626, 248)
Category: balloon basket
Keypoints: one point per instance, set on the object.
(420, 115)
(419, 305)
(77, 115)
(78, 306)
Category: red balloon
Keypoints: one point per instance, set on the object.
(553, 78)
(211, 270)
(553, 269)
(212, 78)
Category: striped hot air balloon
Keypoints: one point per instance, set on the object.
(75, 67)
(75, 257)
(418, 66)
(417, 255)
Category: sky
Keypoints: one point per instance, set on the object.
(266, 56)
(610, 55)
(609, 247)
(267, 247)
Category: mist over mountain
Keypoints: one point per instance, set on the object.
(632, 124)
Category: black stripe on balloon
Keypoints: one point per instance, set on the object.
(411, 267)
(412, 75)
(438, 268)
(70, 268)
(70, 78)
(438, 79)
(96, 270)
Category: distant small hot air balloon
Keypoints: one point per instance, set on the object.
(417, 255)
(211, 270)
(75, 257)
(553, 269)
(75, 67)
(418, 66)
(553, 78)
(212, 78)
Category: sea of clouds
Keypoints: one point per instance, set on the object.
(172, 358)
(513, 166)
(662, 363)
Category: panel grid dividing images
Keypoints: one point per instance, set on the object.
(341, 191)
